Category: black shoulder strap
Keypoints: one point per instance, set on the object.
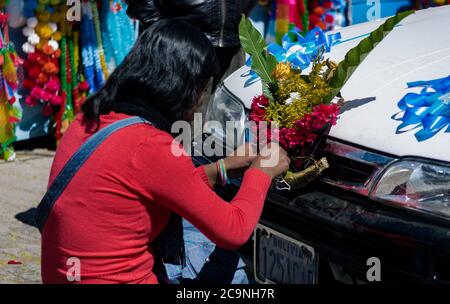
(74, 164)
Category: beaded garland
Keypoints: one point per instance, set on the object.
(98, 35)
(119, 31)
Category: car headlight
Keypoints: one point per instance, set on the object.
(225, 118)
(420, 185)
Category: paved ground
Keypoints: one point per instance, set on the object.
(22, 184)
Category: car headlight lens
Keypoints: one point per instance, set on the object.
(223, 109)
(423, 186)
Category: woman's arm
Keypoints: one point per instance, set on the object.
(210, 172)
(173, 182)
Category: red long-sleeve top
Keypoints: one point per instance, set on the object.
(121, 199)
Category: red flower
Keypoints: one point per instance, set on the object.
(36, 93)
(30, 101)
(28, 84)
(47, 110)
(258, 108)
(305, 132)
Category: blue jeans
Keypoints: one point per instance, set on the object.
(206, 263)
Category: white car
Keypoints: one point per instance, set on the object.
(382, 209)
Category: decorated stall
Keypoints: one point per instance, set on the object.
(10, 114)
(53, 56)
(67, 59)
(282, 16)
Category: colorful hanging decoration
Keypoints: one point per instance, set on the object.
(79, 84)
(66, 61)
(10, 115)
(90, 49)
(303, 15)
(119, 32)
(328, 15)
(42, 65)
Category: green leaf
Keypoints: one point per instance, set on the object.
(356, 55)
(271, 63)
(377, 35)
(365, 46)
(253, 43)
(389, 24)
(352, 57)
(267, 91)
(400, 16)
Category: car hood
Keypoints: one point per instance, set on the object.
(417, 49)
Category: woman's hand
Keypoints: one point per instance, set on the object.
(235, 164)
(272, 160)
(240, 160)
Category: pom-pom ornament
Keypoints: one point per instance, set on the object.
(51, 68)
(53, 85)
(28, 48)
(56, 100)
(44, 30)
(32, 22)
(44, 16)
(34, 39)
(28, 31)
(54, 45)
(42, 78)
(57, 17)
(53, 26)
(57, 36)
(34, 72)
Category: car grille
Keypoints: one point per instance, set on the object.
(351, 168)
(347, 170)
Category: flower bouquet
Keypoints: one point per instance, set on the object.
(299, 106)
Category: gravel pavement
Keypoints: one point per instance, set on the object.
(22, 185)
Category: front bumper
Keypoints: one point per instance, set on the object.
(347, 229)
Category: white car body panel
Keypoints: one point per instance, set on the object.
(417, 49)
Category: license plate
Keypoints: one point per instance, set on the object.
(281, 259)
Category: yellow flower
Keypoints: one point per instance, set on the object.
(282, 71)
(295, 95)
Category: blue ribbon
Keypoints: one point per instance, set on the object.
(428, 110)
(299, 53)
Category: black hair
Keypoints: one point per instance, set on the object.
(168, 67)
